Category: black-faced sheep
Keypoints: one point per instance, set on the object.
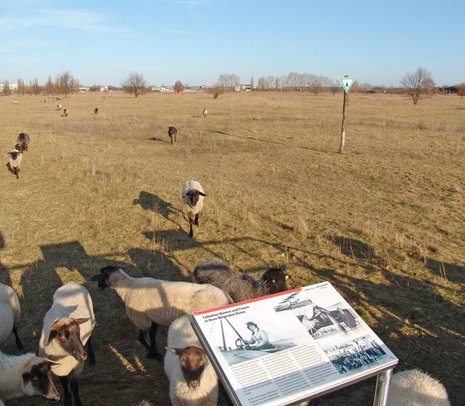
(96, 110)
(10, 313)
(152, 302)
(238, 285)
(23, 141)
(67, 327)
(65, 113)
(193, 381)
(26, 375)
(192, 195)
(172, 132)
(15, 157)
(415, 388)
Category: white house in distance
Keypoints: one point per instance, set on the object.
(13, 87)
(243, 88)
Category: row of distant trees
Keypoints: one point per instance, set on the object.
(416, 84)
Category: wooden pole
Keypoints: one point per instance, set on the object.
(345, 109)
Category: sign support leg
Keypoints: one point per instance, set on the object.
(383, 382)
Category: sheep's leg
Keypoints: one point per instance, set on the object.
(90, 350)
(75, 389)
(191, 232)
(18, 342)
(153, 343)
(196, 219)
(171, 140)
(66, 393)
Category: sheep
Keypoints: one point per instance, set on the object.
(193, 380)
(67, 327)
(415, 388)
(26, 375)
(10, 313)
(58, 107)
(23, 141)
(65, 113)
(152, 302)
(205, 112)
(172, 132)
(192, 195)
(238, 285)
(14, 161)
(96, 110)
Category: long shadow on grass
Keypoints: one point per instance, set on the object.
(420, 326)
(151, 202)
(4, 274)
(156, 264)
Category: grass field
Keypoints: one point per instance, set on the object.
(383, 222)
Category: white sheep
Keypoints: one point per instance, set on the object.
(152, 302)
(192, 195)
(10, 313)
(15, 157)
(205, 112)
(238, 285)
(415, 388)
(193, 381)
(67, 327)
(26, 375)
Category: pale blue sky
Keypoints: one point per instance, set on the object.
(102, 41)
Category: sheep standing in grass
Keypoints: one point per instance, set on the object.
(10, 313)
(192, 195)
(415, 388)
(152, 302)
(205, 112)
(193, 381)
(26, 375)
(96, 110)
(172, 132)
(238, 285)
(66, 329)
(15, 157)
(65, 113)
(23, 141)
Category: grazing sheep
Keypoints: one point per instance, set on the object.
(152, 302)
(172, 132)
(66, 329)
(192, 195)
(205, 112)
(65, 112)
(14, 161)
(415, 388)
(58, 107)
(26, 375)
(96, 110)
(238, 285)
(10, 313)
(193, 380)
(23, 141)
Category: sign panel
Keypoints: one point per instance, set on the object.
(346, 83)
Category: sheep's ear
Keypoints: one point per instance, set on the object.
(52, 335)
(82, 321)
(173, 350)
(202, 194)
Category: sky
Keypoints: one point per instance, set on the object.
(101, 42)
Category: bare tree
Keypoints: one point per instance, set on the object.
(49, 86)
(21, 87)
(228, 80)
(418, 83)
(135, 84)
(65, 83)
(178, 86)
(461, 91)
(6, 91)
(35, 87)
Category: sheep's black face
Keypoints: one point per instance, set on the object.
(14, 155)
(275, 280)
(102, 278)
(38, 382)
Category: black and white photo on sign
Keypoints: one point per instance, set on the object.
(241, 338)
(322, 321)
(357, 353)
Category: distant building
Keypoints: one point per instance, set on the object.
(242, 88)
(13, 87)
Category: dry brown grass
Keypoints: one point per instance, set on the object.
(383, 222)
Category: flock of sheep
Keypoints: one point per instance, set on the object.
(65, 342)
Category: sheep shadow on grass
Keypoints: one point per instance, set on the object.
(151, 202)
(156, 264)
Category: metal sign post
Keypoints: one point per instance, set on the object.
(346, 83)
(383, 382)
